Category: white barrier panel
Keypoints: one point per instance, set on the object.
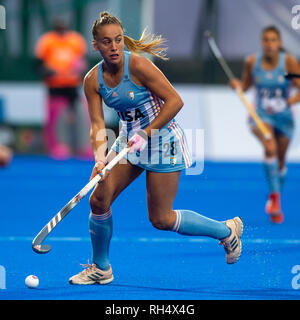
(217, 110)
(227, 137)
(23, 103)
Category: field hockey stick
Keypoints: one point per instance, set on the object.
(291, 75)
(37, 245)
(217, 53)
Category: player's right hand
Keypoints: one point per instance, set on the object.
(98, 169)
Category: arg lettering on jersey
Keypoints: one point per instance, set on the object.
(130, 116)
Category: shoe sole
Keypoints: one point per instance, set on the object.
(105, 281)
(241, 225)
(274, 216)
(240, 231)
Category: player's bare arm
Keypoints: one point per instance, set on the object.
(97, 131)
(247, 72)
(246, 82)
(147, 74)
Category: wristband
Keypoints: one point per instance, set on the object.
(101, 161)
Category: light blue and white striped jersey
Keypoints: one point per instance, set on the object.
(136, 105)
(272, 88)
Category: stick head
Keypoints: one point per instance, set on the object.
(38, 248)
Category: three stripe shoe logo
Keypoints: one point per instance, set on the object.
(233, 243)
(95, 276)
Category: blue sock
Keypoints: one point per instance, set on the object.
(101, 228)
(282, 175)
(272, 174)
(194, 224)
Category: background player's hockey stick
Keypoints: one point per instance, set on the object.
(217, 53)
(37, 245)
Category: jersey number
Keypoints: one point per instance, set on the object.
(170, 147)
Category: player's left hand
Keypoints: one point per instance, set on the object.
(138, 142)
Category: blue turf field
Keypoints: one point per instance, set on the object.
(147, 263)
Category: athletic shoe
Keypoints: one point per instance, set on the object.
(233, 244)
(277, 218)
(92, 275)
(273, 204)
(273, 208)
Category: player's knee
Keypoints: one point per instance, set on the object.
(161, 222)
(99, 204)
(270, 150)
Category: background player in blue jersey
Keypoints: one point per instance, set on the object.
(147, 104)
(265, 70)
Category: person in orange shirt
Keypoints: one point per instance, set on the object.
(60, 61)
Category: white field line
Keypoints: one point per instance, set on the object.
(153, 240)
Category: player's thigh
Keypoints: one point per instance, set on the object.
(121, 175)
(161, 192)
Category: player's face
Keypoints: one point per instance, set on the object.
(271, 43)
(110, 43)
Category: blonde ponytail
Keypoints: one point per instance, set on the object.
(147, 43)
